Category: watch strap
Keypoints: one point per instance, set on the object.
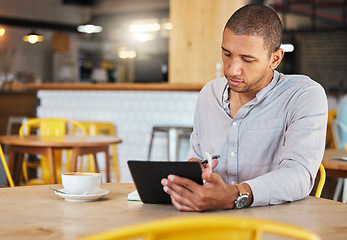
(242, 189)
(242, 199)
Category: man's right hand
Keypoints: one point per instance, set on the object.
(206, 170)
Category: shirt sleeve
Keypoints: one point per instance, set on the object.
(208, 107)
(195, 148)
(301, 154)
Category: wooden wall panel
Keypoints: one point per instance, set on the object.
(16, 104)
(196, 38)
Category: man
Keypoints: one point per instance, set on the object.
(268, 128)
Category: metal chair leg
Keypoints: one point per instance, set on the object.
(338, 189)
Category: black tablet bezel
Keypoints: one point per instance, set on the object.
(147, 176)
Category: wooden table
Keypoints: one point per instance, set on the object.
(36, 212)
(45, 145)
(335, 168)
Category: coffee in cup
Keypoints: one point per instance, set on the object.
(81, 183)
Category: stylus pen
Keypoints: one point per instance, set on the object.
(213, 157)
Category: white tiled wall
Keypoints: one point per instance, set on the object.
(134, 113)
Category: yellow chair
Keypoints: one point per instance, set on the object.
(97, 128)
(331, 138)
(7, 171)
(48, 127)
(205, 227)
(321, 181)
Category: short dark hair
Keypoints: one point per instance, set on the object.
(258, 20)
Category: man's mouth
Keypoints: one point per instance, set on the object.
(234, 82)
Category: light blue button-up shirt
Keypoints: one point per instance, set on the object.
(275, 142)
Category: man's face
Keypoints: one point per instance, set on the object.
(247, 65)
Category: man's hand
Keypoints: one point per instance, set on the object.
(206, 170)
(187, 195)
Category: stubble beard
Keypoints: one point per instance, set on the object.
(247, 88)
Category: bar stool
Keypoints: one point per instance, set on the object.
(174, 135)
(12, 122)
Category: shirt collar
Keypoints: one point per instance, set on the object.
(258, 96)
(268, 88)
(225, 98)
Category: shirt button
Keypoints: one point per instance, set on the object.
(234, 124)
(232, 154)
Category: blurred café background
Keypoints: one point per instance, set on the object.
(141, 63)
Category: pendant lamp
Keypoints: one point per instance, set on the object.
(89, 28)
(33, 37)
(2, 31)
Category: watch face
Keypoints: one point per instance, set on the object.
(241, 201)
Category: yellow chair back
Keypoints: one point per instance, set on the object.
(332, 114)
(49, 127)
(205, 227)
(331, 138)
(321, 181)
(7, 170)
(95, 129)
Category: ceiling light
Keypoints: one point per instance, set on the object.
(147, 27)
(167, 26)
(89, 28)
(33, 37)
(287, 47)
(143, 37)
(2, 31)
(127, 54)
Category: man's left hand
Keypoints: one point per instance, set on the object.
(187, 195)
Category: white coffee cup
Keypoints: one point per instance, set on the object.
(81, 183)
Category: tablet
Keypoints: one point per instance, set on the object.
(148, 174)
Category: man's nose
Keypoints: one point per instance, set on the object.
(233, 67)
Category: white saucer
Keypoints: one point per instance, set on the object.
(82, 198)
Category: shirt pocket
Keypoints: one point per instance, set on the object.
(263, 142)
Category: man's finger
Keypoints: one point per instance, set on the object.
(181, 203)
(184, 182)
(180, 206)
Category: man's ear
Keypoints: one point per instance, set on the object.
(276, 58)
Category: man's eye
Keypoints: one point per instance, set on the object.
(248, 60)
(227, 54)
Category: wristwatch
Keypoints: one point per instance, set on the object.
(242, 199)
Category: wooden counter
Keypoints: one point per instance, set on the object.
(108, 86)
